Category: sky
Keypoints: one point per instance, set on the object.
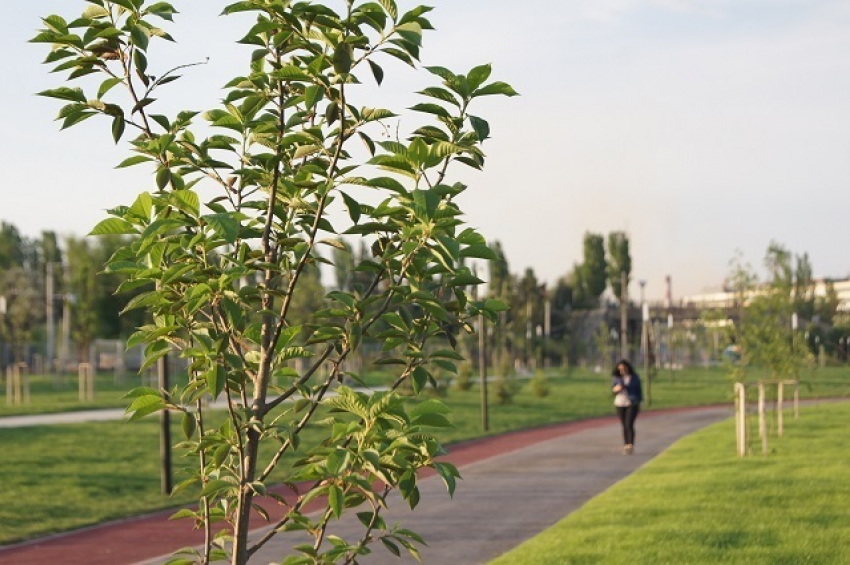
(700, 127)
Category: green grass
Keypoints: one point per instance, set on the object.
(51, 394)
(57, 478)
(698, 503)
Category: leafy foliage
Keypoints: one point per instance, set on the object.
(222, 275)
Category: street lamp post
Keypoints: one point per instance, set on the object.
(670, 344)
(644, 342)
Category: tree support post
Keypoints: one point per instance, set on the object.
(164, 430)
(762, 422)
(741, 419)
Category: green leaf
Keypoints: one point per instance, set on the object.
(144, 405)
(141, 208)
(215, 486)
(430, 406)
(391, 546)
(337, 462)
(392, 10)
(140, 37)
(434, 109)
(189, 424)
(377, 71)
(479, 252)
(353, 206)
(496, 305)
(449, 473)
(312, 95)
(134, 161)
(225, 225)
(336, 498)
(188, 201)
(113, 226)
(65, 93)
(432, 421)
(478, 75)
(106, 86)
(496, 88)
(216, 379)
(481, 127)
(420, 379)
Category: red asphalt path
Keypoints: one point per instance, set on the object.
(136, 539)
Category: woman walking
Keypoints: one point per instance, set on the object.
(627, 398)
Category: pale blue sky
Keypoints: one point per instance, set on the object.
(700, 127)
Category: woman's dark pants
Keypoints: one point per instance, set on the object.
(627, 416)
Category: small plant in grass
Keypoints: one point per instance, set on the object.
(226, 240)
(539, 384)
(506, 384)
(463, 380)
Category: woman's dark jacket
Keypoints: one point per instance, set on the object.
(633, 389)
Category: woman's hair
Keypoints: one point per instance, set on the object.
(628, 365)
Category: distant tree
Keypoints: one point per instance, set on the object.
(579, 296)
(804, 287)
(562, 298)
(594, 270)
(12, 246)
(24, 308)
(82, 284)
(827, 306)
(778, 263)
(500, 275)
(619, 261)
(344, 264)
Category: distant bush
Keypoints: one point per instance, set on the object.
(506, 384)
(463, 380)
(540, 385)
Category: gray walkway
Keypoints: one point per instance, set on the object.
(511, 497)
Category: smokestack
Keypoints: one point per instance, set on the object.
(668, 297)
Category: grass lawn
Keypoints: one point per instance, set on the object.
(57, 478)
(697, 503)
(50, 394)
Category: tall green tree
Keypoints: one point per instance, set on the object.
(619, 261)
(594, 269)
(225, 271)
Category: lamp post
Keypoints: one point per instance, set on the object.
(670, 343)
(644, 342)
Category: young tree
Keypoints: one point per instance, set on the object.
(226, 271)
(764, 330)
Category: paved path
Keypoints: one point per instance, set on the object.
(515, 486)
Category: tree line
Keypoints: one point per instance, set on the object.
(73, 268)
